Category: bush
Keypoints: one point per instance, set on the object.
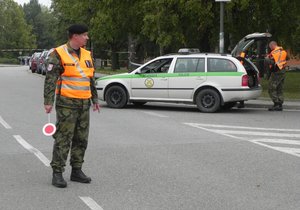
(9, 61)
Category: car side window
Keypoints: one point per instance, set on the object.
(189, 65)
(158, 66)
(221, 65)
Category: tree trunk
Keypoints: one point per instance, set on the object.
(114, 59)
(161, 50)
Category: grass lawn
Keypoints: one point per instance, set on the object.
(291, 84)
(111, 72)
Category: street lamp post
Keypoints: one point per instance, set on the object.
(221, 36)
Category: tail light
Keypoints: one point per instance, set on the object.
(245, 79)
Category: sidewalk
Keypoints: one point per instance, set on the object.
(266, 103)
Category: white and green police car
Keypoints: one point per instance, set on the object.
(211, 81)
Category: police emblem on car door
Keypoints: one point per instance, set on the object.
(152, 80)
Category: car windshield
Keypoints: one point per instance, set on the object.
(157, 66)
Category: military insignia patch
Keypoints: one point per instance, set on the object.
(50, 67)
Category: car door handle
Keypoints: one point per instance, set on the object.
(164, 79)
(199, 78)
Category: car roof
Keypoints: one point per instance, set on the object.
(195, 55)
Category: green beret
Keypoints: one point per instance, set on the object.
(77, 29)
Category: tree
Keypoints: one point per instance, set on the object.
(14, 32)
(43, 22)
(280, 18)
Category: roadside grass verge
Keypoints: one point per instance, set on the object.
(291, 88)
(111, 72)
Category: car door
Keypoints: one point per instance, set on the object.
(151, 81)
(188, 74)
(254, 47)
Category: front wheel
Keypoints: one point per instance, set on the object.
(116, 97)
(208, 100)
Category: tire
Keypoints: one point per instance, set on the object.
(116, 97)
(208, 100)
(228, 105)
(138, 103)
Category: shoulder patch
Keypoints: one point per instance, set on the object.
(50, 67)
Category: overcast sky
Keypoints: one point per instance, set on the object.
(43, 2)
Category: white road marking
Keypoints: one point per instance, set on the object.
(240, 127)
(155, 114)
(33, 150)
(90, 203)
(5, 124)
(251, 133)
(278, 141)
(279, 149)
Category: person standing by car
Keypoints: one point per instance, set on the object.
(275, 63)
(70, 75)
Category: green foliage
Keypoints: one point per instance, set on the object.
(43, 22)
(9, 61)
(162, 26)
(280, 18)
(14, 32)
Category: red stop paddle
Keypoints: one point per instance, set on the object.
(49, 128)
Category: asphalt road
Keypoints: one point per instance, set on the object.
(157, 157)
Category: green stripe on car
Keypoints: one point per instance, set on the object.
(163, 75)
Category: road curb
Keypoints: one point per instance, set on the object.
(263, 103)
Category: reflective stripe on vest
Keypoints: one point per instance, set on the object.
(75, 80)
(279, 56)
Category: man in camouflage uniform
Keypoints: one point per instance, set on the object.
(70, 76)
(275, 64)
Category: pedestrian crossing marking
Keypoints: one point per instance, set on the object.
(283, 140)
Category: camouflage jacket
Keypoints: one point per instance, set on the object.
(54, 70)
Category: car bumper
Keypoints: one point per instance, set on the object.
(241, 94)
(100, 91)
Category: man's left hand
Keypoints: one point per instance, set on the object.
(96, 107)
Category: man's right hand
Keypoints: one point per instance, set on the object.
(48, 108)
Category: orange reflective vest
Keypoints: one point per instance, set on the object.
(74, 82)
(242, 55)
(279, 55)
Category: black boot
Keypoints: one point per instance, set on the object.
(276, 107)
(78, 176)
(58, 180)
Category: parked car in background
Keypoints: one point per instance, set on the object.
(44, 64)
(30, 60)
(41, 62)
(34, 62)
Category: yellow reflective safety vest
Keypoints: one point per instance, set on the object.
(74, 82)
(279, 56)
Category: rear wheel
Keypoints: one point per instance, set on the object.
(116, 97)
(208, 100)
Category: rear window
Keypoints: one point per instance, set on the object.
(220, 65)
(189, 65)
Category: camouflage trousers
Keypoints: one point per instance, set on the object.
(276, 82)
(72, 133)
